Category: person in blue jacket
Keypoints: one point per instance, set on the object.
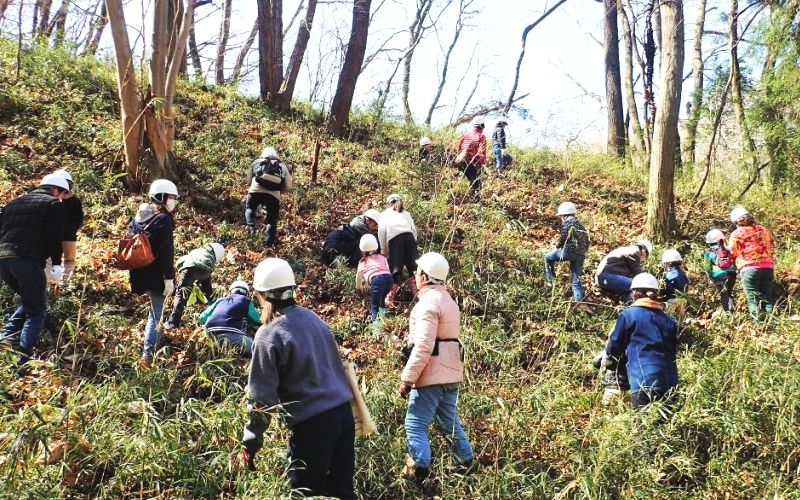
(675, 280)
(648, 337)
(227, 318)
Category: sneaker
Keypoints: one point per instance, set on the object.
(251, 231)
(418, 474)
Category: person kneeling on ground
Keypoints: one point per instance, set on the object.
(435, 369)
(616, 271)
(751, 246)
(373, 270)
(296, 367)
(648, 337)
(573, 243)
(228, 317)
(397, 235)
(194, 267)
(720, 268)
(675, 283)
(344, 240)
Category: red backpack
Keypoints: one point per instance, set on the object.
(724, 257)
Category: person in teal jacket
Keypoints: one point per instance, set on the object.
(228, 317)
(194, 267)
(720, 268)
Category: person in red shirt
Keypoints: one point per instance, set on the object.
(751, 247)
(471, 157)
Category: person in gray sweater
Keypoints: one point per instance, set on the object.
(296, 371)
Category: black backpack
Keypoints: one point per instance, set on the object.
(269, 175)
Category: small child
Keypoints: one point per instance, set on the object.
(720, 268)
(227, 318)
(373, 269)
(675, 282)
(194, 267)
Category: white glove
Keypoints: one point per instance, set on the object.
(56, 273)
(502, 152)
(169, 287)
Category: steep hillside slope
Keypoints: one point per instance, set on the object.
(86, 421)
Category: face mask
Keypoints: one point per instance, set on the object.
(171, 204)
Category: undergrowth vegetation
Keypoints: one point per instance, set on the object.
(87, 421)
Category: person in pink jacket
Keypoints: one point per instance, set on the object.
(435, 369)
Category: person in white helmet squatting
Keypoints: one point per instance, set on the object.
(471, 155)
(573, 243)
(296, 368)
(226, 320)
(156, 280)
(720, 268)
(31, 231)
(344, 239)
(617, 269)
(649, 339)
(195, 267)
(397, 235)
(425, 148)
(676, 283)
(751, 246)
(269, 178)
(434, 370)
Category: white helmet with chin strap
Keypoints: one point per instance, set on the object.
(425, 141)
(737, 213)
(219, 251)
(240, 287)
(567, 208)
(54, 180)
(372, 214)
(274, 276)
(368, 243)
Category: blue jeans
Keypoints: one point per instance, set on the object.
(575, 269)
(238, 340)
(26, 278)
(379, 286)
(498, 157)
(151, 332)
(614, 283)
(425, 404)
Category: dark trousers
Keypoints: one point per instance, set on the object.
(644, 397)
(724, 285)
(26, 278)
(758, 291)
(251, 204)
(473, 172)
(402, 255)
(186, 280)
(379, 286)
(322, 454)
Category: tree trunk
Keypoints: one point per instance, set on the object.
(415, 32)
(195, 54)
(43, 12)
(616, 121)
(348, 77)
(176, 58)
(697, 93)
(224, 31)
(3, 6)
(248, 44)
(98, 27)
(286, 91)
(660, 200)
(58, 24)
(633, 109)
(650, 58)
(746, 139)
(270, 48)
(126, 81)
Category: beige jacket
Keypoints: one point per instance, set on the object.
(255, 187)
(436, 316)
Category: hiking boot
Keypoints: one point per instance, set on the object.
(418, 474)
(145, 362)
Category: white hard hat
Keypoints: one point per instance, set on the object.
(368, 243)
(644, 281)
(55, 180)
(477, 121)
(646, 244)
(219, 251)
(671, 255)
(567, 208)
(63, 173)
(164, 186)
(273, 273)
(372, 214)
(425, 141)
(503, 119)
(270, 153)
(392, 198)
(714, 236)
(239, 285)
(434, 265)
(738, 212)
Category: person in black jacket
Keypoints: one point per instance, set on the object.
(499, 144)
(571, 247)
(31, 228)
(157, 279)
(344, 239)
(73, 220)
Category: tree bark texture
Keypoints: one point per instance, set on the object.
(697, 75)
(348, 77)
(746, 139)
(58, 24)
(43, 12)
(248, 44)
(633, 109)
(194, 53)
(286, 90)
(616, 121)
(3, 7)
(415, 33)
(98, 27)
(660, 200)
(649, 61)
(270, 48)
(222, 44)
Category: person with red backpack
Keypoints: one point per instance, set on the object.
(268, 177)
(751, 246)
(720, 268)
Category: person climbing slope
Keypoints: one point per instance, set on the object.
(676, 283)
(194, 267)
(573, 243)
(617, 269)
(471, 155)
(720, 268)
(499, 144)
(73, 220)
(227, 318)
(344, 240)
(269, 178)
(373, 271)
(397, 235)
(751, 247)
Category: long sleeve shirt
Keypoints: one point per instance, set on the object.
(393, 224)
(499, 137)
(475, 143)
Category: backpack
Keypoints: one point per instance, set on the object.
(269, 175)
(724, 258)
(134, 250)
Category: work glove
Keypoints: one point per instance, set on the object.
(502, 152)
(169, 287)
(404, 389)
(249, 460)
(56, 274)
(597, 362)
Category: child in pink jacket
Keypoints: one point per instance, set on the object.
(373, 270)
